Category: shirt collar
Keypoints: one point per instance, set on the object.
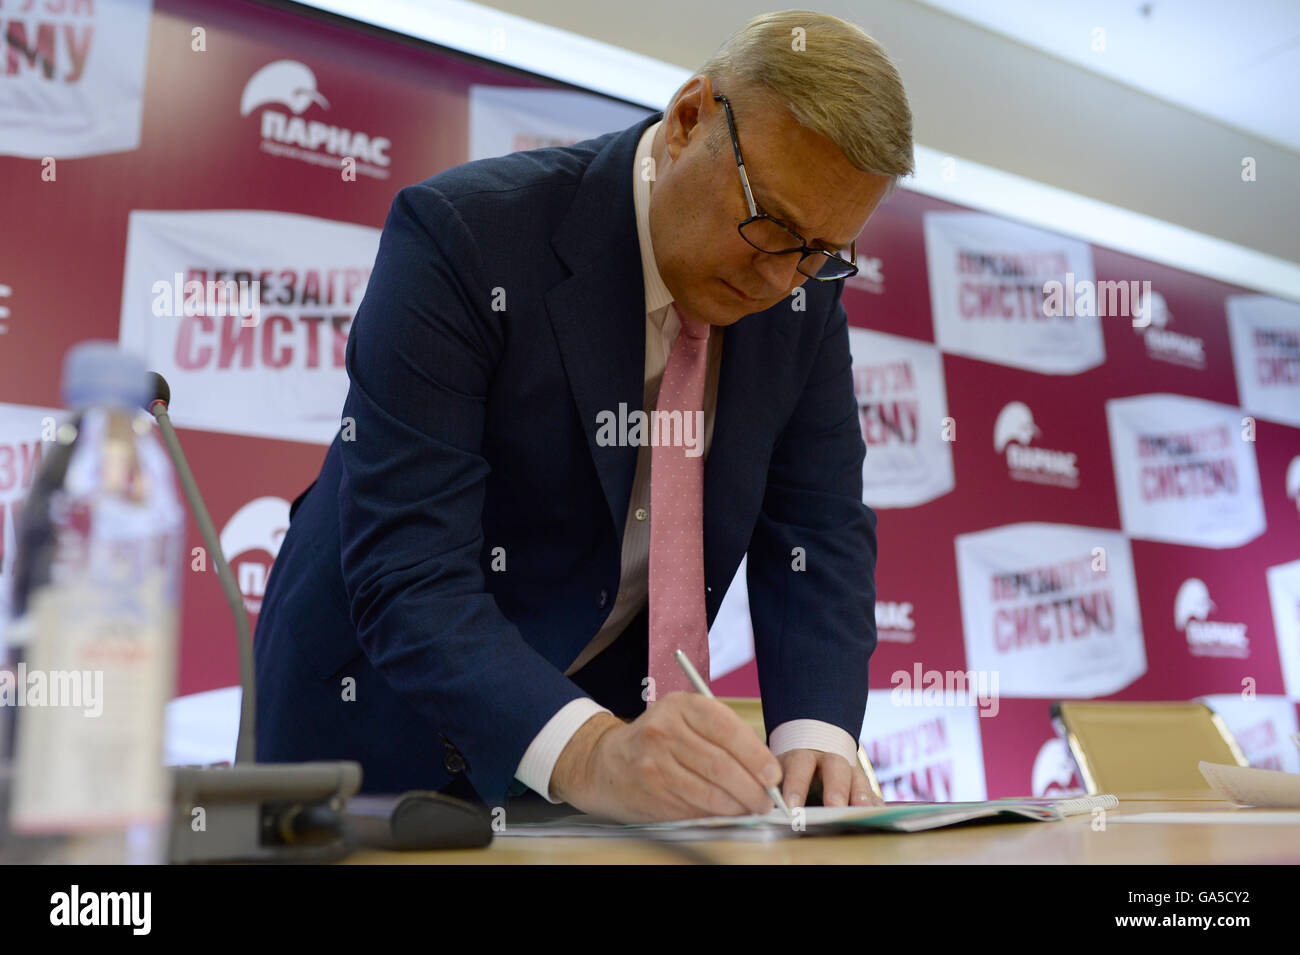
(657, 295)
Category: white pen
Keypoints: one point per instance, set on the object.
(693, 675)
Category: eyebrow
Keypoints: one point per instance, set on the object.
(780, 212)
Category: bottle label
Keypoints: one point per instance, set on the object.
(92, 690)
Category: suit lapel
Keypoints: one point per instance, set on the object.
(600, 330)
(598, 316)
(598, 313)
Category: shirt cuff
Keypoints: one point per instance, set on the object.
(544, 751)
(813, 734)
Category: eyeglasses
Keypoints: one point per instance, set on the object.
(769, 234)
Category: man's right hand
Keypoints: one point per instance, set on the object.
(685, 757)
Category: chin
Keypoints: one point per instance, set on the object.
(727, 313)
(734, 307)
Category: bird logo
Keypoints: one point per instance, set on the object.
(1015, 423)
(287, 82)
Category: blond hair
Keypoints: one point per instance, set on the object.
(831, 76)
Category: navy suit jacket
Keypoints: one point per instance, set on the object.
(504, 313)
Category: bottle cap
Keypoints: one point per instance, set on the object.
(99, 372)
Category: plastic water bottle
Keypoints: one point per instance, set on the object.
(92, 639)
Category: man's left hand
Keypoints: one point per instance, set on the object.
(842, 783)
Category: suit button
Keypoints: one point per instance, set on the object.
(453, 762)
(602, 598)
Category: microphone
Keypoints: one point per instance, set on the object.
(245, 748)
(252, 811)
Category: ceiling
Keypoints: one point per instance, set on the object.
(1186, 116)
(1238, 63)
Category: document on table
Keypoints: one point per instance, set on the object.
(1237, 817)
(825, 820)
(1249, 786)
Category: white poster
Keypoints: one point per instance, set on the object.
(992, 297)
(1262, 726)
(1265, 335)
(250, 542)
(924, 753)
(902, 404)
(1284, 598)
(246, 314)
(72, 81)
(1052, 609)
(1054, 774)
(731, 638)
(1184, 472)
(505, 119)
(21, 452)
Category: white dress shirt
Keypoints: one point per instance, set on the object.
(661, 324)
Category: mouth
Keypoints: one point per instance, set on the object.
(739, 294)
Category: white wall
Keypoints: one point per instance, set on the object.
(980, 96)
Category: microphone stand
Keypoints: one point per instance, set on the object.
(255, 812)
(245, 747)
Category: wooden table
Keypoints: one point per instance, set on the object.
(1073, 841)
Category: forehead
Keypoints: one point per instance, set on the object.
(801, 176)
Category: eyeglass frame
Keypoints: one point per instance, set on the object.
(755, 215)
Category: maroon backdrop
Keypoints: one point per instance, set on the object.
(78, 244)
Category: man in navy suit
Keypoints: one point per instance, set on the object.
(460, 602)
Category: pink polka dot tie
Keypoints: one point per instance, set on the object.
(678, 619)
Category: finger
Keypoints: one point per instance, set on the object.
(837, 779)
(701, 794)
(863, 794)
(719, 724)
(669, 790)
(799, 765)
(718, 767)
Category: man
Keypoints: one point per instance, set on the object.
(482, 591)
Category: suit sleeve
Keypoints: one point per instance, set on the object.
(813, 609)
(421, 356)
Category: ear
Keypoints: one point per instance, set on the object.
(690, 113)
